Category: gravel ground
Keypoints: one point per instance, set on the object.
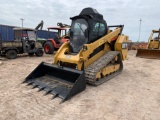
(132, 95)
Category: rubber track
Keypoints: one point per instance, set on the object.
(91, 71)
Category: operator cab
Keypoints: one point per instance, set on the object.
(86, 28)
(27, 36)
(155, 35)
(60, 33)
(24, 34)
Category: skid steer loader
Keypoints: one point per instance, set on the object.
(94, 55)
(152, 50)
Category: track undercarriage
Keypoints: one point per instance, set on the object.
(105, 68)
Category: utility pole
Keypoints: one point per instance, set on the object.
(139, 30)
(22, 21)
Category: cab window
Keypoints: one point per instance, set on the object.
(124, 46)
(99, 29)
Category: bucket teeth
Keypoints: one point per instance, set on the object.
(41, 87)
(60, 82)
(63, 94)
(61, 91)
(29, 83)
(34, 85)
(40, 90)
(55, 88)
(54, 96)
(47, 93)
(48, 90)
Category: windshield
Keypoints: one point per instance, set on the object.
(155, 36)
(31, 35)
(56, 32)
(78, 37)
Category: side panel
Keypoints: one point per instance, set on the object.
(121, 46)
(154, 44)
(11, 44)
(7, 45)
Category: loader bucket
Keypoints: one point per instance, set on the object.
(148, 53)
(59, 81)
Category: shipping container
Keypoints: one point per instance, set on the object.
(45, 34)
(8, 34)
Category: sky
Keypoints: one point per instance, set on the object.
(115, 12)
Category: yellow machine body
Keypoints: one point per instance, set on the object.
(93, 54)
(152, 50)
(82, 57)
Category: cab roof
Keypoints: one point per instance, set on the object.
(156, 31)
(57, 28)
(28, 29)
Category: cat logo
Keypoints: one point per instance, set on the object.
(68, 56)
(101, 42)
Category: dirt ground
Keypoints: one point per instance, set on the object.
(133, 95)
